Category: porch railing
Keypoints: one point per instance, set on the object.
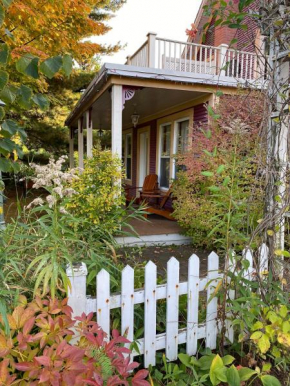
(193, 58)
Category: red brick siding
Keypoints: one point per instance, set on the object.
(247, 39)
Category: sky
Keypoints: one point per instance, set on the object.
(168, 18)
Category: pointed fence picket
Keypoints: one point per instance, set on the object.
(149, 296)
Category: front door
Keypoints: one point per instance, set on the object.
(143, 155)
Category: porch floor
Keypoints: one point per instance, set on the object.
(155, 230)
(154, 225)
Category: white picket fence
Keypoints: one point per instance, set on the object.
(150, 294)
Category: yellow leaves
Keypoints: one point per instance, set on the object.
(284, 339)
(19, 317)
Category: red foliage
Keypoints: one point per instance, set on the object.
(191, 32)
(238, 114)
(38, 350)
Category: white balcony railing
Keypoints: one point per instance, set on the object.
(193, 58)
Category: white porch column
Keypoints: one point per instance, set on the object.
(89, 124)
(223, 58)
(81, 142)
(71, 147)
(151, 49)
(117, 111)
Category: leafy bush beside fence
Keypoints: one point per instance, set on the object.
(38, 349)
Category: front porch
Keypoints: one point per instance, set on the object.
(152, 104)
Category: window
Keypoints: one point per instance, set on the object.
(165, 153)
(181, 142)
(127, 152)
(182, 136)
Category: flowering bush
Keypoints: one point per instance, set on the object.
(53, 179)
(38, 350)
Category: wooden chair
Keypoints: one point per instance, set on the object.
(159, 207)
(150, 186)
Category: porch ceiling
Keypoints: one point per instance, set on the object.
(147, 101)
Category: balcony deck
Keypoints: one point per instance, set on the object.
(189, 58)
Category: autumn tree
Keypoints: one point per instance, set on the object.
(40, 39)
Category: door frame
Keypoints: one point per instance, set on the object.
(141, 131)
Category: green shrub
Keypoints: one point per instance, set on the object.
(98, 200)
(208, 370)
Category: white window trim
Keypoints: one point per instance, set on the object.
(125, 133)
(159, 153)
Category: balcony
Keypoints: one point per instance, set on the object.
(183, 57)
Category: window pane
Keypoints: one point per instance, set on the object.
(128, 168)
(165, 140)
(129, 144)
(182, 139)
(164, 172)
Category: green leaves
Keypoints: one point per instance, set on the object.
(5, 164)
(217, 371)
(28, 65)
(41, 101)
(24, 98)
(3, 79)
(8, 94)
(2, 15)
(212, 113)
(7, 3)
(51, 66)
(269, 380)
(245, 374)
(11, 127)
(207, 174)
(233, 377)
(2, 113)
(67, 64)
(4, 54)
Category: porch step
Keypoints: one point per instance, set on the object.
(152, 240)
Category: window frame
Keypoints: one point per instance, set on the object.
(165, 188)
(126, 134)
(175, 141)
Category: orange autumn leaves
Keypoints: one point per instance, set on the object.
(51, 27)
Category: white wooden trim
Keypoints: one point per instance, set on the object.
(152, 240)
(117, 112)
(81, 143)
(89, 124)
(71, 148)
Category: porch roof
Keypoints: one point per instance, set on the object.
(103, 79)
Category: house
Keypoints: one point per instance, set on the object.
(152, 103)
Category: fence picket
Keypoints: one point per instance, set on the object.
(172, 309)
(127, 301)
(150, 314)
(264, 259)
(192, 304)
(211, 309)
(103, 300)
(247, 254)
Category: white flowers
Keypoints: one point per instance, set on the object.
(51, 200)
(52, 178)
(51, 175)
(36, 202)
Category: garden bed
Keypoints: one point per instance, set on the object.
(161, 254)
